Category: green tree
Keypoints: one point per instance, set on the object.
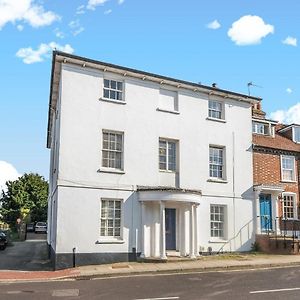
(25, 197)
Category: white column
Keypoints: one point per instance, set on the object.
(162, 231)
(257, 213)
(192, 232)
(277, 223)
(196, 230)
(143, 235)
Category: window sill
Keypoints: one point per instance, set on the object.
(217, 241)
(217, 180)
(167, 171)
(288, 181)
(112, 101)
(168, 111)
(216, 120)
(113, 171)
(112, 241)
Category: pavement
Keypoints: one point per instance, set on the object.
(202, 264)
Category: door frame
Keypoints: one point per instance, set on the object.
(266, 198)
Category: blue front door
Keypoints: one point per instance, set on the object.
(265, 212)
(170, 228)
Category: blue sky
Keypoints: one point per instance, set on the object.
(229, 42)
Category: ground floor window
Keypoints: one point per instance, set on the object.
(289, 206)
(110, 217)
(217, 221)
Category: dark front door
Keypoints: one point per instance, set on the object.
(265, 212)
(170, 228)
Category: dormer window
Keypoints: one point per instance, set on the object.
(261, 128)
(296, 134)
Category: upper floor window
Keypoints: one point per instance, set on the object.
(110, 218)
(287, 168)
(215, 110)
(167, 155)
(289, 206)
(112, 150)
(113, 90)
(260, 128)
(168, 101)
(217, 221)
(296, 134)
(216, 162)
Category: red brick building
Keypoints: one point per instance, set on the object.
(276, 156)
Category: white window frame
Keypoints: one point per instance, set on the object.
(167, 141)
(223, 165)
(103, 167)
(214, 110)
(295, 213)
(266, 128)
(214, 221)
(113, 237)
(116, 90)
(293, 170)
(294, 134)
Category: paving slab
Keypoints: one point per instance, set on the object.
(202, 264)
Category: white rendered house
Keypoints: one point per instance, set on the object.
(143, 165)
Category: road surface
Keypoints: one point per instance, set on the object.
(279, 283)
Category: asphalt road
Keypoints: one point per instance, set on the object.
(280, 283)
(31, 255)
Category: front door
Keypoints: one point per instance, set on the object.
(170, 228)
(265, 204)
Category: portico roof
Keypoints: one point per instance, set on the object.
(269, 187)
(159, 193)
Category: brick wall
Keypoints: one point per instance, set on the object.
(267, 170)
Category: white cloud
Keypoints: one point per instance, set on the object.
(213, 25)
(59, 34)
(121, 1)
(290, 41)
(291, 115)
(76, 28)
(20, 27)
(27, 11)
(107, 12)
(249, 30)
(93, 3)
(289, 90)
(31, 56)
(80, 10)
(7, 172)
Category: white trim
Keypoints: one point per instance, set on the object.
(295, 212)
(175, 112)
(167, 141)
(112, 100)
(157, 196)
(105, 239)
(216, 120)
(108, 169)
(222, 179)
(293, 134)
(222, 109)
(294, 169)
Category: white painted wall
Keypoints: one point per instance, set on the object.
(82, 118)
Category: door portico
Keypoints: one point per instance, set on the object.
(169, 222)
(267, 211)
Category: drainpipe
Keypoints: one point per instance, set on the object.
(233, 186)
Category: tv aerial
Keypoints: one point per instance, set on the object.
(249, 84)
